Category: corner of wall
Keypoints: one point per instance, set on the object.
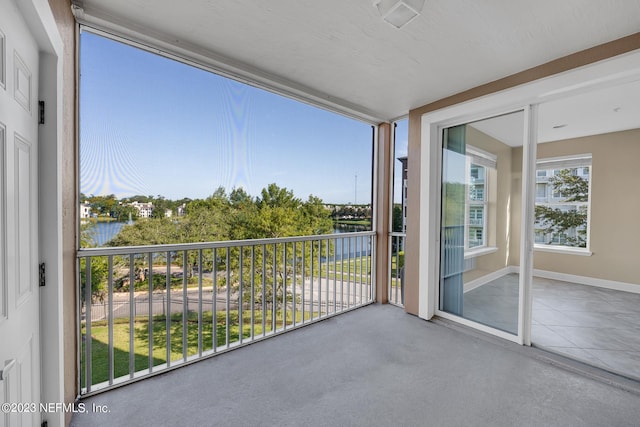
(65, 21)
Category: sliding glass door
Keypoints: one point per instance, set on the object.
(481, 217)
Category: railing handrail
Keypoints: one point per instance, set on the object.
(126, 250)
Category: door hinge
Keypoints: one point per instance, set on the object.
(43, 278)
(41, 112)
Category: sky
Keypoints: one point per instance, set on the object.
(400, 150)
(153, 126)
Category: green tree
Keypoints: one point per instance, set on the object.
(274, 196)
(316, 218)
(103, 205)
(206, 220)
(243, 217)
(98, 269)
(558, 222)
(123, 211)
(160, 206)
(277, 213)
(154, 231)
(236, 216)
(396, 218)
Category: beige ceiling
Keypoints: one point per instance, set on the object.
(340, 53)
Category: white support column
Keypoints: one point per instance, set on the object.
(527, 224)
(429, 235)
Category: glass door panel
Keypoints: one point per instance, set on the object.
(480, 220)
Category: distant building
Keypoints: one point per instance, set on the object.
(403, 161)
(547, 195)
(85, 210)
(168, 213)
(144, 209)
(182, 209)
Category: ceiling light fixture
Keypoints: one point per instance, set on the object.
(399, 12)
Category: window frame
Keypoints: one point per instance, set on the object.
(577, 162)
(485, 160)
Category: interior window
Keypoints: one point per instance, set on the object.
(562, 218)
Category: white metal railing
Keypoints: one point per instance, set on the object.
(153, 308)
(395, 290)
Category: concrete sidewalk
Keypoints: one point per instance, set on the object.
(375, 366)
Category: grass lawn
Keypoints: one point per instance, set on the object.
(121, 334)
(349, 270)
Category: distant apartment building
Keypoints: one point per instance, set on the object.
(85, 210)
(404, 162)
(547, 195)
(144, 209)
(477, 206)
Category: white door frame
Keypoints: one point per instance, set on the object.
(41, 23)
(525, 272)
(609, 72)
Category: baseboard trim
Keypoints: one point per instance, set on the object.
(476, 283)
(589, 281)
(564, 277)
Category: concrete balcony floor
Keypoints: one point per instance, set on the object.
(375, 366)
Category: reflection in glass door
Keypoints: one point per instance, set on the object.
(480, 221)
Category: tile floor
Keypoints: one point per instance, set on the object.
(595, 325)
(495, 304)
(598, 326)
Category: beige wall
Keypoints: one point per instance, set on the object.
(381, 226)
(615, 208)
(66, 25)
(499, 205)
(578, 59)
(516, 208)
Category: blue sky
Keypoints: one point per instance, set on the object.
(153, 126)
(402, 140)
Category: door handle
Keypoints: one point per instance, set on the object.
(8, 366)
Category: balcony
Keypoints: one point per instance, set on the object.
(373, 366)
(150, 309)
(357, 364)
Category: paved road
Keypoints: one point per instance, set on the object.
(323, 293)
(159, 303)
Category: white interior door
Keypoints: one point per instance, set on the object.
(19, 289)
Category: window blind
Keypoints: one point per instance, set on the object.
(565, 162)
(481, 158)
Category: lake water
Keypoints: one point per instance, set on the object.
(102, 232)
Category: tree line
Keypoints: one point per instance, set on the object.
(109, 206)
(276, 212)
